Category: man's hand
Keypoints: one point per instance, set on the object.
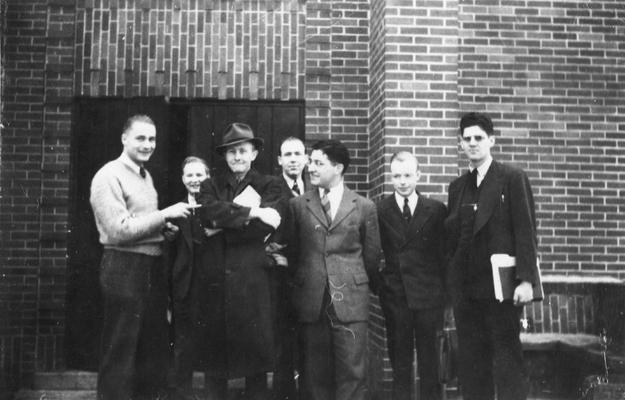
(178, 210)
(523, 294)
(267, 215)
(170, 231)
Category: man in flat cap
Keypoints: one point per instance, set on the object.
(244, 204)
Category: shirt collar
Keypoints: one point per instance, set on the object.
(130, 164)
(335, 192)
(232, 178)
(290, 181)
(483, 169)
(412, 200)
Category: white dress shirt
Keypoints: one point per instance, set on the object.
(482, 170)
(334, 196)
(412, 201)
(290, 181)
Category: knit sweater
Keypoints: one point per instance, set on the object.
(125, 207)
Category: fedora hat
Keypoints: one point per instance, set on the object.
(236, 133)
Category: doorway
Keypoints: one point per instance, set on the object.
(184, 127)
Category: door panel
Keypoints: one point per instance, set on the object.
(272, 121)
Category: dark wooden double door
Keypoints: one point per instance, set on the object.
(184, 128)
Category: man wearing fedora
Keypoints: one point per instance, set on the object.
(245, 205)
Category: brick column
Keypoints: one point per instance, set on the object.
(414, 107)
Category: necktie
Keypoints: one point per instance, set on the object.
(295, 188)
(406, 212)
(473, 177)
(325, 203)
(142, 172)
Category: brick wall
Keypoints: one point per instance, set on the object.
(398, 74)
(551, 74)
(337, 101)
(413, 107)
(279, 49)
(23, 94)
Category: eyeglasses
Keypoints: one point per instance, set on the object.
(478, 139)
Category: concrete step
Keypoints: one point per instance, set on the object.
(65, 380)
(26, 394)
(81, 385)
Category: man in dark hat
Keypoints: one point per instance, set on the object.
(244, 204)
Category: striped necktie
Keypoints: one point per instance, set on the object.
(295, 189)
(325, 203)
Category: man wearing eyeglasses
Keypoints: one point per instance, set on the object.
(491, 212)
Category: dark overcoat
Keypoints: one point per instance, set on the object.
(197, 287)
(249, 342)
(505, 222)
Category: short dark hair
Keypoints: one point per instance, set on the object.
(137, 118)
(477, 119)
(335, 151)
(193, 159)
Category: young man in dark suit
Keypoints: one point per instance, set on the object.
(292, 159)
(334, 249)
(412, 291)
(491, 211)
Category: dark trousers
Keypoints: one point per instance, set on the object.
(404, 329)
(333, 359)
(286, 338)
(490, 353)
(134, 353)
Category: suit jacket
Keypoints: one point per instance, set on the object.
(182, 257)
(287, 190)
(287, 194)
(504, 219)
(342, 255)
(414, 254)
(182, 260)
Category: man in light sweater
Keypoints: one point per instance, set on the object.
(134, 353)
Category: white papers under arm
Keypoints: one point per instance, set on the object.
(248, 198)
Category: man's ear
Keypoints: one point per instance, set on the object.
(340, 167)
(254, 154)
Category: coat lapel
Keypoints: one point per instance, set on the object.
(313, 203)
(348, 204)
(392, 216)
(490, 190)
(421, 214)
(185, 229)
